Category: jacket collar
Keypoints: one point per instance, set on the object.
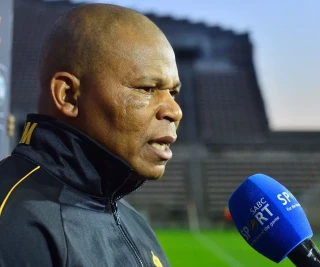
(75, 159)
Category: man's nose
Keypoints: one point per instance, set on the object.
(169, 108)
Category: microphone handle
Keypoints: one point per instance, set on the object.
(306, 254)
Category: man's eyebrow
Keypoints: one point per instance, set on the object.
(157, 80)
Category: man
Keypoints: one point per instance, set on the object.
(107, 117)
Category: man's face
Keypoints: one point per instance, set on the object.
(129, 106)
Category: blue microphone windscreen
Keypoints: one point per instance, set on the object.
(268, 217)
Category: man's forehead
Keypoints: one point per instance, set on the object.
(154, 72)
(141, 56)
(129, 42)
(146, 62)
(143, 51)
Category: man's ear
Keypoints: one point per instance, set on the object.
(65, 91)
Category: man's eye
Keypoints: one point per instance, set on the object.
(147, 89)
(174, 92)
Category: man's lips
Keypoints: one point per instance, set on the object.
(160, 146)
(168, 140)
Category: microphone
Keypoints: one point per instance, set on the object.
(272, 221)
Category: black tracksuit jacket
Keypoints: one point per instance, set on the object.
(61, 204)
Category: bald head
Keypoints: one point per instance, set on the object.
(86, 38)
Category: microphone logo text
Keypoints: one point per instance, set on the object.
(261, 211)
(263, 216)
(286, 198)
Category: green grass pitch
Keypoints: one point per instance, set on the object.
(212, 249)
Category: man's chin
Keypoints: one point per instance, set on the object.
(153, 173)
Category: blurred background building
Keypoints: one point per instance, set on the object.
(223, 138)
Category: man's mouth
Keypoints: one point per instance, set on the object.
(160, 146)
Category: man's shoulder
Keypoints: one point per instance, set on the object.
(26, 190)
(30, 220)
(29, 205)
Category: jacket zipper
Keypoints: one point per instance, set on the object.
(124, 234)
